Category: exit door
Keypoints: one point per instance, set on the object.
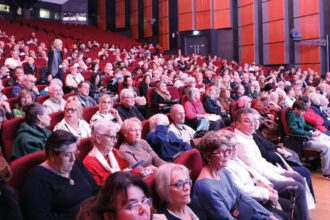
(197, 45)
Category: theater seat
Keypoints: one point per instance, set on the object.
(145, 129)
(84, 146)
(88, 112)
(56, 118)
(42, 98)
(150, 91)
(7, 91)
(22, 165)
(9, 130)
(192, 159)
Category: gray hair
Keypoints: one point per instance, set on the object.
(127, 124)
(191, 93)
(125, 92)
(103, 125)
(158, 119)
(314, 98)
(175, 107)
(163, 180)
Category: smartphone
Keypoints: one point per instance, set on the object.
(137, 164)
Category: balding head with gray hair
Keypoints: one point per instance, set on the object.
(158, 119)
(314, 98)
(126, 92)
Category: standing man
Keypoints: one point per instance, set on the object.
(55, 61)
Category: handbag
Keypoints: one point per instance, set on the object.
(244, 210)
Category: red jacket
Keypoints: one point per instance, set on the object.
(315, 120)
(98, 172)
(193, 108)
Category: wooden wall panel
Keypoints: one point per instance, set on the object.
(134, 19)
(186, 15)
(147, 26)
(307, 21)
(163, 24)
(120, 13)
(101, 15)
(247, 54)
(222, 14)
(277, 55)
(203, 15)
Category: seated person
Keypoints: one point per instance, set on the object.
(9, 207)
(164, 142)
(249, 153)
(56, 188)
(33, 133)
(225, 99)
(5, 111)
(318, 141)
(136, 149)
(195, 111)
(18, 77)
(238, 91)
(73, 79)
(124, 196)
(213, 106)
(214, 193)
(83, 95)
(127, 108)
(28, 84)
(161, 99)
(144, 85)
(177, 126)
(72, 121)
(314, 116)
(55, 102)
(24, 98)
(106, 111)
(173, 185)
(104, 159)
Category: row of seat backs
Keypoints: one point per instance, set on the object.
(10, 127)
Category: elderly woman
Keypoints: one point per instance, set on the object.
(165, 143)
(173, 185)
(24, 98)
(161, 99)
(314, 116)
(103, 159)
(213, 106)
(55, 188)
(124, 196)
(106, 111)
(195, 111)
(190, 83)
(72, 121)
(33, 133)
(137, 150)
(215, 195)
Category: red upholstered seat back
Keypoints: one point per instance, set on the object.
(284, 121)
(192, 159)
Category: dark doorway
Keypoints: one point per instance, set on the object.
(196, 44)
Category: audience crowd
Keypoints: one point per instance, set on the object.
(152, 109)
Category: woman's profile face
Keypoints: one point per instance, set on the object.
(137, 206)
(65, 159)
(219, 158)
(44, 118)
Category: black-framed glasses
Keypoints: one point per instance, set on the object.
(223, 152)
(135, 205)
(181, 184)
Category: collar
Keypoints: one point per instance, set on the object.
(240, 133)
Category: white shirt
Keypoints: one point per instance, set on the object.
(83, 130)
(249, 153)
(241, 175)
(184, 132)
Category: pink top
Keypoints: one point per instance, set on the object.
(193, 108)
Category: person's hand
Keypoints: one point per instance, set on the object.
(284, 152)
(6, 106)
(272, 217)
(49, 77)
(127, 170)
(273, 196)
(114, 112)
(35, 89)
(315, 133)
(270, 116)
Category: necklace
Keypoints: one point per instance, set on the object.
(47, 166)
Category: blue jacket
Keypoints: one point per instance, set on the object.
(165, 143)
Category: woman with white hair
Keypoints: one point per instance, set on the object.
(314, 115)
(164, 142)
(173, 185)
(104, 159)
(72, 121)
(137, 151)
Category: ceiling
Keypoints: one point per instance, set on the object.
(59, 2)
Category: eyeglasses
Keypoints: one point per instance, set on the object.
(31, 81)
(248, 121)
(69, 155)
(223, 152)
(128, 97)
(181, 184)
(112, 137)
(70, 110)
(106, 102)
(135, 205)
